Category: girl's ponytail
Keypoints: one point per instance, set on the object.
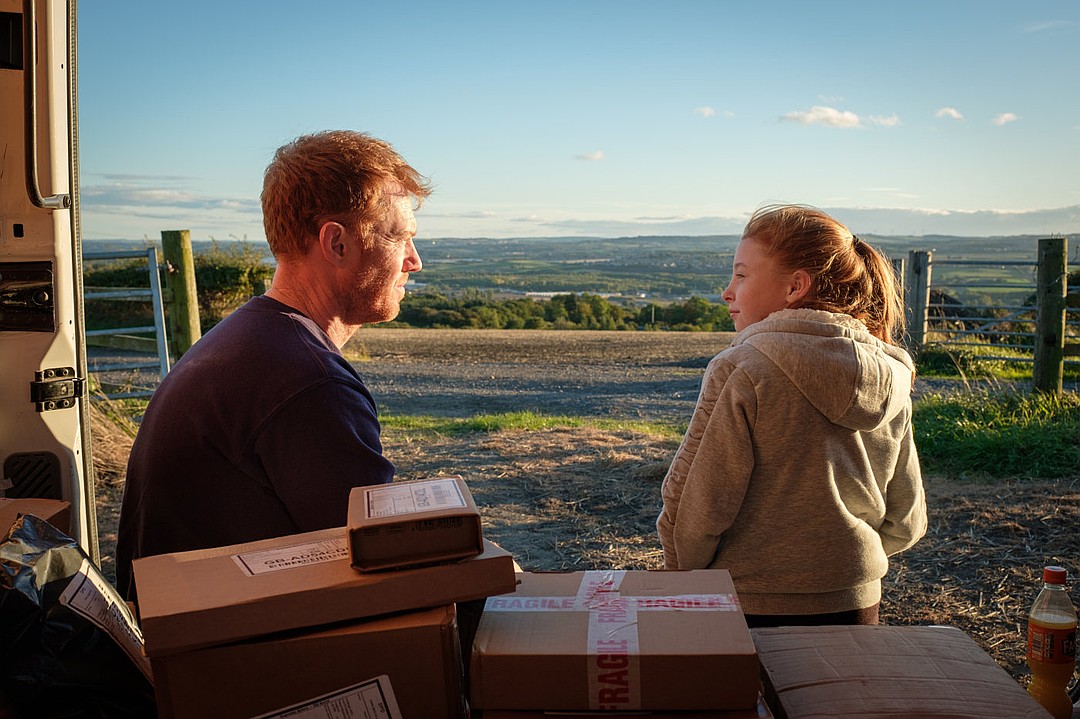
(884, 308)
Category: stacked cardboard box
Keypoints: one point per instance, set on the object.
(54, 511)
(885, 671)
(258, 628)
(616, 641)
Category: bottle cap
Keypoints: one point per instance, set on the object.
(1054, 575)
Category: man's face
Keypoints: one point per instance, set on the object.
(381, 267)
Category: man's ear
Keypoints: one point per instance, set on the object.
(332, 242)
(799, 287)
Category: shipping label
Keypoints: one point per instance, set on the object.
(373, 699)
(391, 500)
(90, 596)
(299, 555)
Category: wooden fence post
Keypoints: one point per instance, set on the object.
(1050, 316)
(183, 316)
(917, 297)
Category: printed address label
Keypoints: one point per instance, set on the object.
(373, 699)
(298, 555)
(90, 595)
(391, 500)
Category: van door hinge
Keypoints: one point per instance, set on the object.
(55, 389)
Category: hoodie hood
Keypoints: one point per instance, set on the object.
(854, 379)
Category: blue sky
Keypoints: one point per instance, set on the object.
(592, 117)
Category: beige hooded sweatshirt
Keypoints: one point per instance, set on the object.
(798, 472)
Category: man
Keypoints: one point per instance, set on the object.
(263, 427)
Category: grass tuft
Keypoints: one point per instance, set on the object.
(528, 421)
(999, 434)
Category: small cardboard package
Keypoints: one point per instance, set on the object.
(615, 641)
(858, 671)
(56, 512)
(202, 598)
(404, 524)
(415, 654)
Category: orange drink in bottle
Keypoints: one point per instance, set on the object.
(1051, 644)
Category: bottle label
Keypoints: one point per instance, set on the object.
(1055, 645)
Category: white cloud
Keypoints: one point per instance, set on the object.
(705, 111)
(132, 197)
(890, 121)
(871, 220)
(894, 192)
(821, 115)
(950, 112)
(1005, 118)
(471, 215)
(1055, 26)
(970, 223)
(593, 156)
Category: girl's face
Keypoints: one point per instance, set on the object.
(759, 286)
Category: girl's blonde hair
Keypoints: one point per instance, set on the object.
(847, 275)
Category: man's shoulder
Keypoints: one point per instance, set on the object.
(262, 345)
(264, 325)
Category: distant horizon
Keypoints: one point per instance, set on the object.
(876, 222)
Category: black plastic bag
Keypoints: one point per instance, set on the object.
(57, 658)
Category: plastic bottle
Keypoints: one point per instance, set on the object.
(1051, 644)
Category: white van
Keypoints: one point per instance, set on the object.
(44, 418)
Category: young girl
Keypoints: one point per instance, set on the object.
(798, 472)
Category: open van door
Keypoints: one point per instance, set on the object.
(44, 411)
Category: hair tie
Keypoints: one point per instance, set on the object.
(855, 241)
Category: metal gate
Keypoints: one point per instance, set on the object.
(135, 361)
(1031, 317)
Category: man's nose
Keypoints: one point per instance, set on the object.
(412, 259)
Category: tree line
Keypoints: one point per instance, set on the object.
(475, 309)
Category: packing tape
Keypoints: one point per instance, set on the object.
(612, 648)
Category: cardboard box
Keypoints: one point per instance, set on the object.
(885, 671)
(56, 512)
(406, 524)
(761, 711)
(189, 600)
(615, 641)
(416, 651)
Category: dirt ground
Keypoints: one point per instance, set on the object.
(587, 498)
